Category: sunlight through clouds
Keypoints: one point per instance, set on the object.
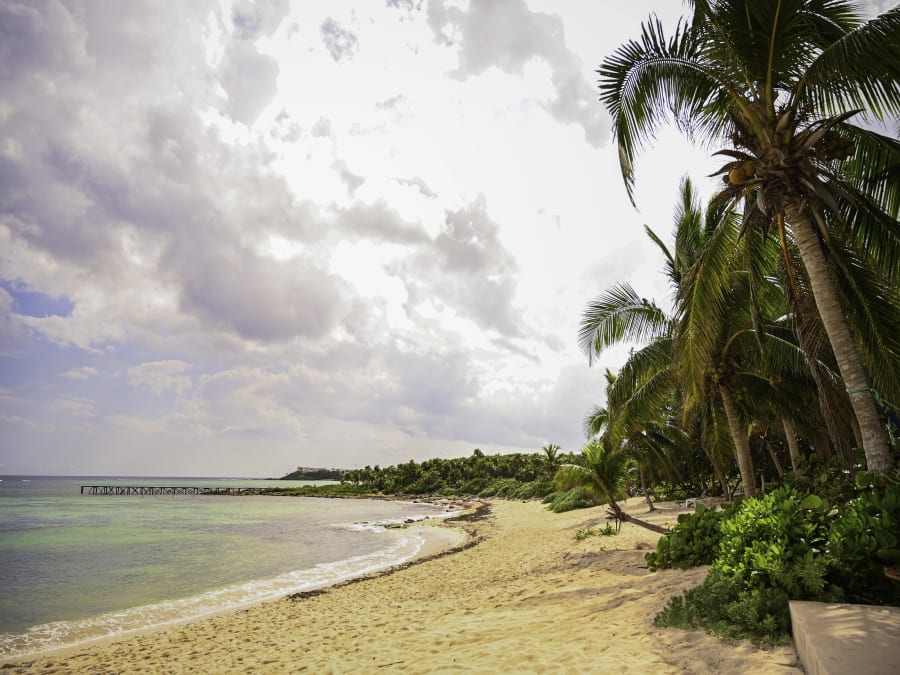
(265, 233)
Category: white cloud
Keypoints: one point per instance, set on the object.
(161, 376)
(80, 373)
(249, 79)
(307, 230)
(340, 42)
(77, 407)
(507, 35)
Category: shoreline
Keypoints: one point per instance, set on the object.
(436, 539)
(520, 595)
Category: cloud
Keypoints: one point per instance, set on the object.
(507, 35)
(380, 222)
(341, 43)
(467, 269)
(161, 376)
(420, 185)
(81, 373)
(249, 79)
(257, 18)
(260, 299)
(12, 335)
(24, 421)
(408, 5)
(201, 252)
(322, 128)
(350, 179)
(75, 406)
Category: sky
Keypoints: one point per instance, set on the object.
(238, 237)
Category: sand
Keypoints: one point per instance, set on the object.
(524, 596)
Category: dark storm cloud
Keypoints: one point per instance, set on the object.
(506, 34)
(341, 43)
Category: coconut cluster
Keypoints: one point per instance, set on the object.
(742, 172)
(833, 146)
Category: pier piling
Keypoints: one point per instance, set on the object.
(148, 490)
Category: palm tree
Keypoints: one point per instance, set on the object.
(689, 349)
(602, 472)
(646, 438)
(775, 83)
(551, 456)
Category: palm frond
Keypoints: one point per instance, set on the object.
(595, 422)
(859, 70)
(646, 82)
(617, 315)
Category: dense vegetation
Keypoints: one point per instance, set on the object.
(511, 476)
(785, 545)
(314, 474)
(784, 332)
(778, 365)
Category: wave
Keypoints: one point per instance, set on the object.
(384, 524)
(404, 545)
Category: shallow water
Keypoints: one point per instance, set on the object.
(77, 567)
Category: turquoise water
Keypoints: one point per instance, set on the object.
(79, 567)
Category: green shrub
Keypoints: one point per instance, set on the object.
(533, 490)
(499, 487)
(694, 541)
(607, 531)
(576, 498)
(723, 605)
(473, 486)
(862, 541)
(788, 545)
(831, 481)
(777, 541)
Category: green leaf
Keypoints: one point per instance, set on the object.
(889, 554)
(864, 479)
(813, 503)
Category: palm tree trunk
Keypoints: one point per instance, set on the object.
(822, 446)
(874, 435)
(825, 394)
(774, 457)
(644, 488)
(793, 446)
(717, 470)
(741, 442)
(620, 515)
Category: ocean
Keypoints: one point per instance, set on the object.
(75, 568)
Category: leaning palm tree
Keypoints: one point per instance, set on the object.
(602, 473)
(774, 84)
(685, 351)
(648, 438)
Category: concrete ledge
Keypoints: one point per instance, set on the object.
(835, 639)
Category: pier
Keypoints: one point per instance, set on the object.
(154, 491)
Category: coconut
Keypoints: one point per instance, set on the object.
(736, 176)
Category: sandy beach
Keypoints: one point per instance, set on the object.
(522, 596)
